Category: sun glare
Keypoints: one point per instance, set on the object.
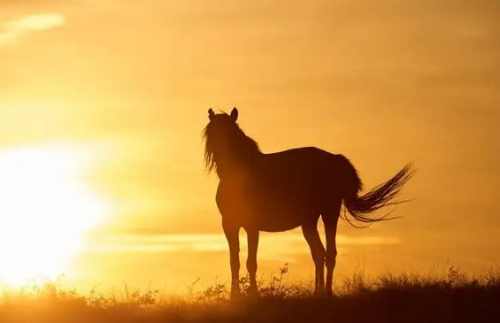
(44, 211)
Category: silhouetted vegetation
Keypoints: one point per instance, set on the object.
(452, 297)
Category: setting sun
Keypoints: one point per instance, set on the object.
(44, 211)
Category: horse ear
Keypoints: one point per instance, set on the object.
(234, 114)
(211, 114)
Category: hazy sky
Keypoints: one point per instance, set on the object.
(128, 84)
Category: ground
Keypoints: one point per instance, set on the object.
(454, 297)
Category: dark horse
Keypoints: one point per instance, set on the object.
(284, 190)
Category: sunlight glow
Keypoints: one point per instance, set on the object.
(44, 212)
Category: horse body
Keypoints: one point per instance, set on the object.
(281, 191)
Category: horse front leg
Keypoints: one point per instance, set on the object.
(331, 250)
(232, 235)
(253, 243)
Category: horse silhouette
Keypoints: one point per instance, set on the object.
(276, 192)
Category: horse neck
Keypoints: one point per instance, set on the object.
(242, 155)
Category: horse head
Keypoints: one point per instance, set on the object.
(225, 141)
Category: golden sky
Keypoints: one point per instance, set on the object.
(125, 87)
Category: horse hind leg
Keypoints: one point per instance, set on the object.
(330, 219)
(311, 234)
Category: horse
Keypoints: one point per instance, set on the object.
(280, 191)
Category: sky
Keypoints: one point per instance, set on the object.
(125, 87)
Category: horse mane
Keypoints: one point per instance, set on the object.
(238, 142)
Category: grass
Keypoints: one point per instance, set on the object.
(451, 297)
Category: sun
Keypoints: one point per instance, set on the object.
(45, 208)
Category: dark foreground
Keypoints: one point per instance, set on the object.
(389, 299)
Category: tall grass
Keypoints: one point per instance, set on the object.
(452, 296)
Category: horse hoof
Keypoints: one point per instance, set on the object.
(253, 292)
(235, 294)
(319, 292)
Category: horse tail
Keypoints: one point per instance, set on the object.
(360, 207)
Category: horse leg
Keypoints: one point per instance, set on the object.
(232, 236)
(253, 243)
(330, 220)
(311, 234)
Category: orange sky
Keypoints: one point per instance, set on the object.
(129, 83)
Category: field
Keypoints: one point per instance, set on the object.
(451, 297)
